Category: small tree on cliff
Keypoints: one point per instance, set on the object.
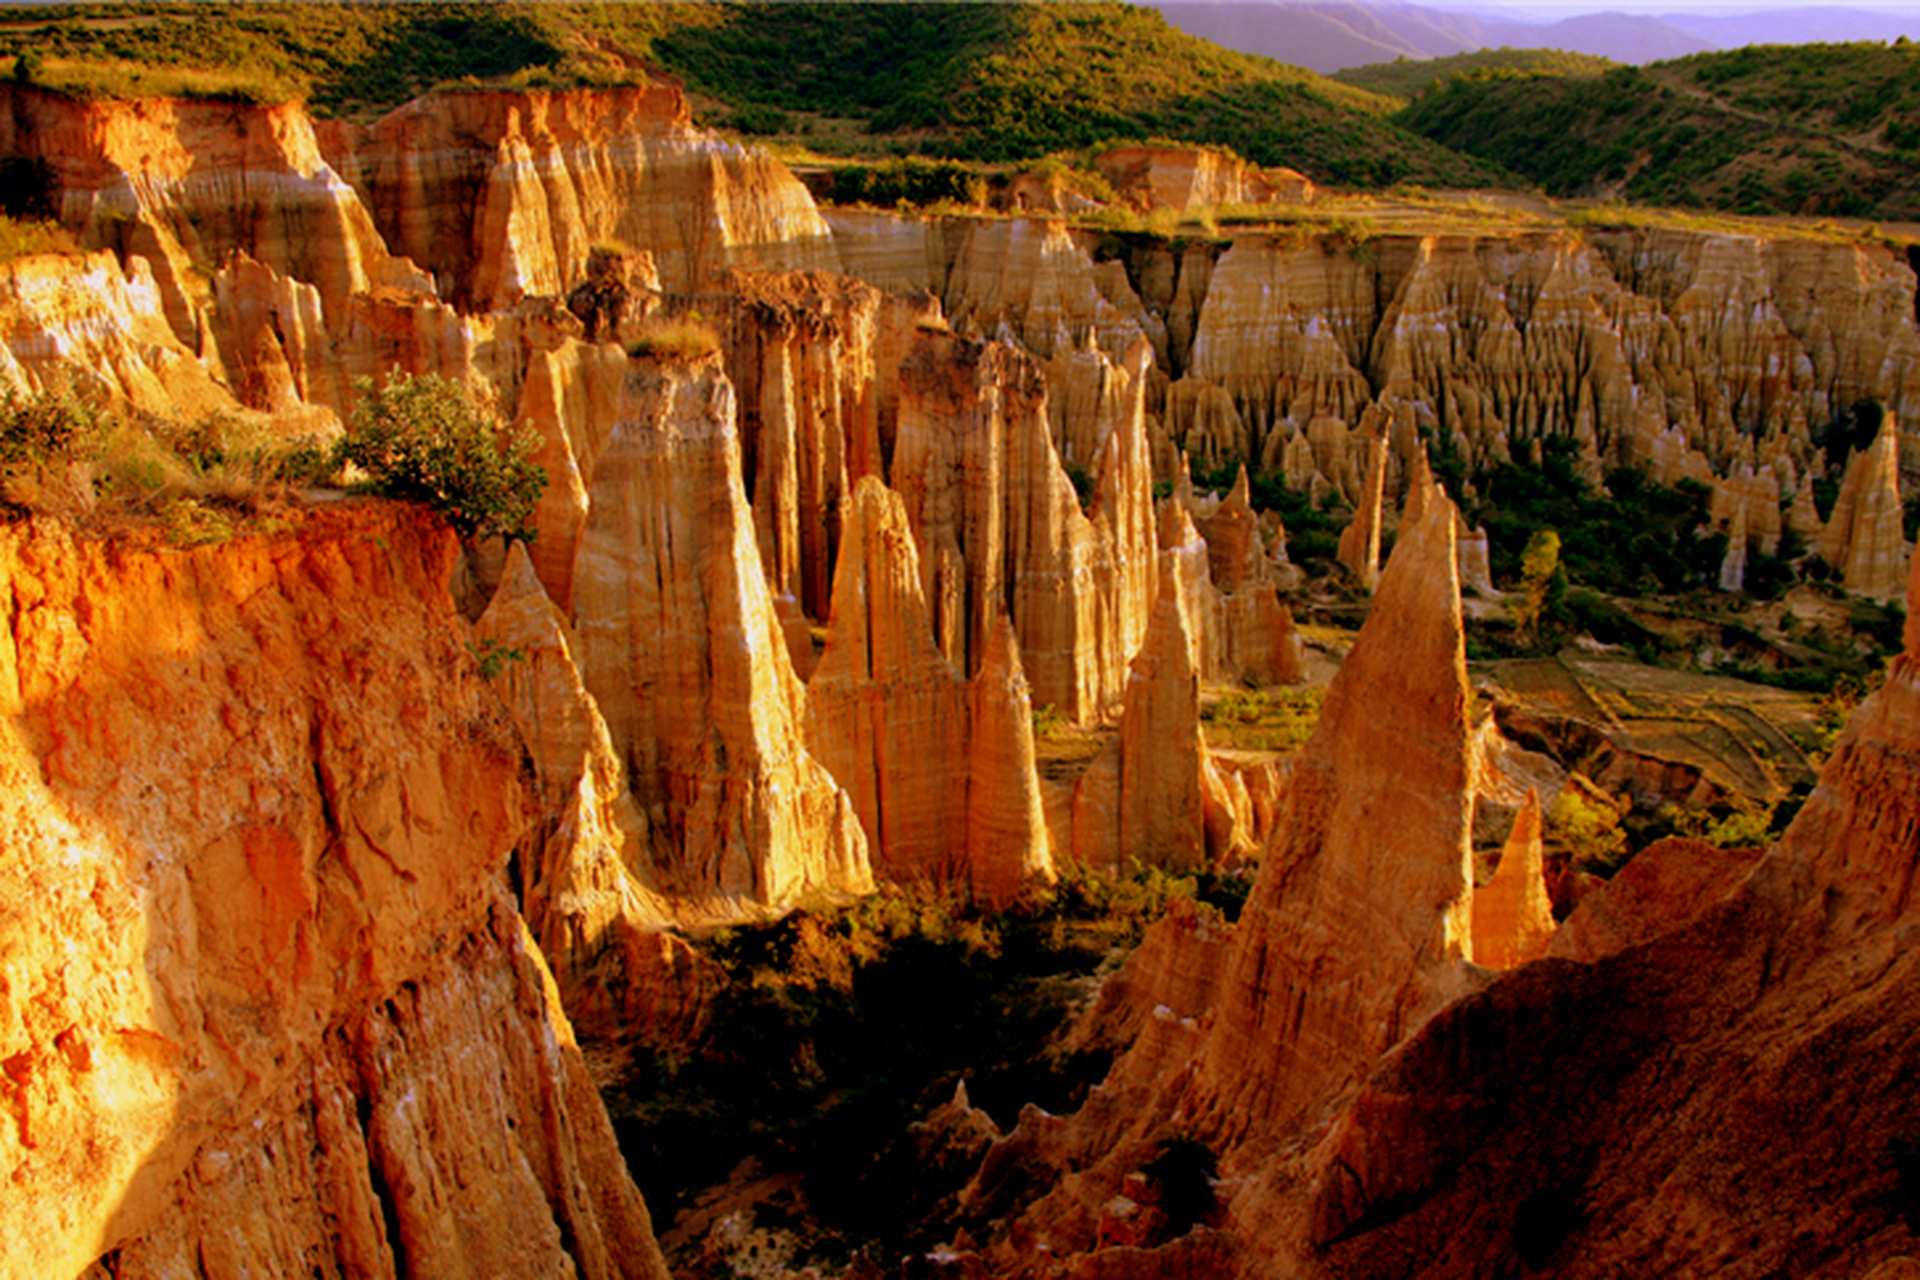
(424, 439)
(1539, 575)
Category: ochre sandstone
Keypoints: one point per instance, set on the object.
(888, 715)
(681, 648)
(1512, 918)
(268, 1006)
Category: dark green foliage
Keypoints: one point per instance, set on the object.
(437, 44)
(26, 187)
(1009, 82)
(1410, 77)
(1757, 130)
(423, 439)
(36, 428)
(1640, 541)
(826, 1046)
(759, 119)
(913, 182)
(1884, 623)
(1312, 534)
(26, 67)
(1851, 431)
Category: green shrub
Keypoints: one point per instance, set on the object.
(424, 439)
(675, 340)
(35, 428)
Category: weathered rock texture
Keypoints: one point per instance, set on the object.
(1863, 538)
(1355, 933)
(1000, 529)
(1184, 178)
(1721, 1061)
(1512, 916)
(681, 648)
(501, 194)
(586, 881)
(267, 1007)
(1008, 848)
(1608, 341)
(889, 716)
(90, 326)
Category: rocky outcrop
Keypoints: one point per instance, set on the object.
(185, 183)
(888, 716)
(815, 360)
(88, 325)
(1733, 343)
(585, 876)
(999, 527)
(1360, 540)
(681, 648)
(1355, 933)
(1008, 848)
(270, 1008)
(1512, 916)
(1035, 280)
(1190, 178)
(1862, 539)
(502, 194)
(1799, 964)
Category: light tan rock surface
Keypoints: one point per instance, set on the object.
(1008, 847)
(86, 324)
(1360, 540)
(586, 882)
(184, 183)
(1863, 537)
(999, 527)
(887, 714)
(1187, 178)
(682, 650)
(267, 1005)
(503, 193)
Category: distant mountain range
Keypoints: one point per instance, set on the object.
(1332, 35)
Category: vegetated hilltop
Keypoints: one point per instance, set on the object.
(1807, 129)
(1409, 78)
(977, 82)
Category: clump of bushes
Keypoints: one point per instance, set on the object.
(910, 182)
(425, 439)
(687, 339)
(36, 427)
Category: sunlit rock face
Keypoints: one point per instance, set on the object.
(268, 1002)
(503, 194)
(683, 652)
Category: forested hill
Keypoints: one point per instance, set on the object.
(1800, 129)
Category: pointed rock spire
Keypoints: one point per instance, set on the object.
(1364, 898)
(682, 649)
(888, 715)
(1360, 540)
(1512, 915)
(1007, 843)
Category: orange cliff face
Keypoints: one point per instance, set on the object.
(265, 1001)
(501, 194)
